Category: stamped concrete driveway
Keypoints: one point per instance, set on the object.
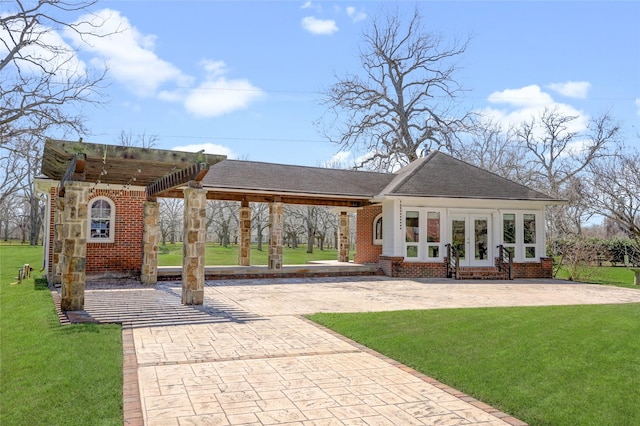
(247, 357)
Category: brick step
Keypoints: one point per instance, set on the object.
(482, 273)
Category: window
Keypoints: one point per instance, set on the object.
(377, 230)
(433, 234)
(101, 214)
(529, 235)
(520, 235)
(509, 232)
(412, 233)
(423, 235)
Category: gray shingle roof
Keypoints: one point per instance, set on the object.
(437, 175)
(440, 175)
(283, 178)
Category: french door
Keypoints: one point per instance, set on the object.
(471, 236)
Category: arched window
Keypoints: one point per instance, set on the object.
(377, 230)
(101, 218)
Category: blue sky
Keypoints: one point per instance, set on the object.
(243, 78)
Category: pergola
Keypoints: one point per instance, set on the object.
(195, 177)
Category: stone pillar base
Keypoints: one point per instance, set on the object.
(192, 297)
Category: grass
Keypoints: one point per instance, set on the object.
(605, 275)
(171, 255)
(545, 365)
(52, 374)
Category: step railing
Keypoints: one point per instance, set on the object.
(453, 262)
(505, 254)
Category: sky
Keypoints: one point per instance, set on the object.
(244, 78)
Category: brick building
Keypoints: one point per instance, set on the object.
(436, 217)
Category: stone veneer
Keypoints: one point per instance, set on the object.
(57, 243)
(343, 237)
(150, 240)
(194, 246)
(244, 250)
(276, 225)
(74, 247)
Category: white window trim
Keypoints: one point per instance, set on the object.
(377, 241)
(111, 238)
(519, 245)
(422, 243)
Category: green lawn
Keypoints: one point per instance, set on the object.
(605, 275)
(560, 365)
(52, 374)
(171, 255)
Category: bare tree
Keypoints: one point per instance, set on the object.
(404, 104)
(40, 75)
(223, 217)
(560, 155)
(492, 148)
(613, 191)
(141, 140)
(259, 221)
(170, 219)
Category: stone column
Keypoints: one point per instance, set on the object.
(55, 276)
(194, 237)
(343, 237)
(74, 247)
(150, 239)
(244, 251)
(276, 225)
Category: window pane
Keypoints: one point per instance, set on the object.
(529, 224)
(378, 229)
(433, 227)
(530, 252)
(458, 237)
(509, 228)
(480, 234)
(412, 224)
(412, 251)
(100, 228)
(434, 251)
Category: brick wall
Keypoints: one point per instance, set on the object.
(543, 269)
(366, 251)
(395, 266)
(124, 255)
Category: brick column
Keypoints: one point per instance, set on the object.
(194, 237)
(150, 239)
(244, 251)
(74, 247)
(55, 276)
(276, 226)
(343, 237)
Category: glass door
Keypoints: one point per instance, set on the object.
(470, 235)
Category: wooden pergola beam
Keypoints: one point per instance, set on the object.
(193, 173)
(74, 172)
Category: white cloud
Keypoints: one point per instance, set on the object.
(517, 106)
(355, 14)
(319, 26)
(217, 95)
(208, 148)
(529, 96)
(306, 5)
(126, 52)
(571, 89)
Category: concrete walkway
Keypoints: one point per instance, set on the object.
(247, 357)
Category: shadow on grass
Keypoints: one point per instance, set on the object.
(40, 284)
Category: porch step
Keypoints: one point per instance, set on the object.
(482, 273)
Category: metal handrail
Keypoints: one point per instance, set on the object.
(502, 250)
(453, 262)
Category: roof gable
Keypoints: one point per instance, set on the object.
(440, 175)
